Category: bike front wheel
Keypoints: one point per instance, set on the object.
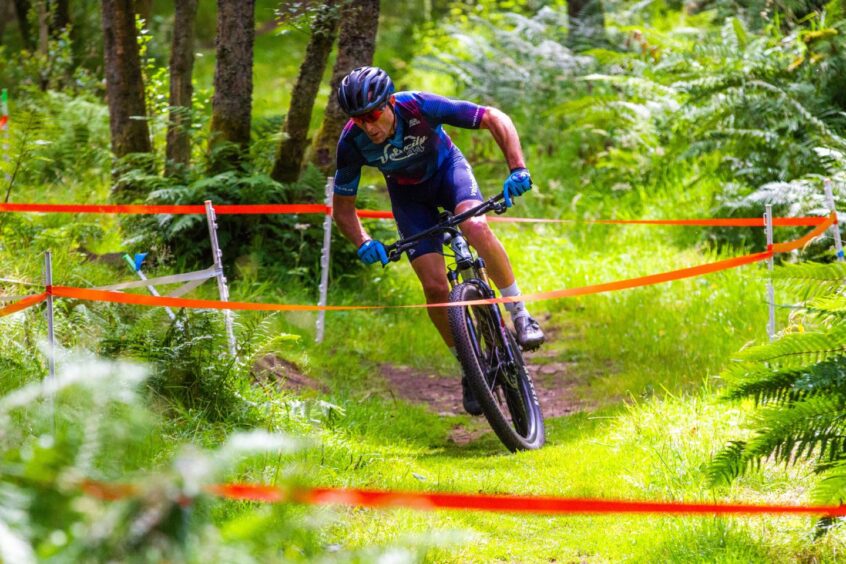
(494, 367)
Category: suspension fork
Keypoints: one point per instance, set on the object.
(498, 320)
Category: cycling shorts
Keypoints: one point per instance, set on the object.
(416, 206)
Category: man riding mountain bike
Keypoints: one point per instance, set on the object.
(401, 134)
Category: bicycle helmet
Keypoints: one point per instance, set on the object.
(364, 89)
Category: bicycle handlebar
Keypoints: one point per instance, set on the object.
(395, 250)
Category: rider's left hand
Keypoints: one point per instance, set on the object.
(518, 183)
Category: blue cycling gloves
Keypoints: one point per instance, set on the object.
(517, 184)
(372, 251)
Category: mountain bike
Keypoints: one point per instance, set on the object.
(487, 350)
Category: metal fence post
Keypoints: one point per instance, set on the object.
(51, 337)
(835, 229)
(324, 261)
(222, 288)
(768, 223)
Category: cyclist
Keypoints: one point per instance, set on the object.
(401, 134)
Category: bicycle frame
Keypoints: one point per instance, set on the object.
(467, 267)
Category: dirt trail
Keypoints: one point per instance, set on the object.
(442, 394)
(556, 382)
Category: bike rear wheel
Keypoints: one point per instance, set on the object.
(495, 370)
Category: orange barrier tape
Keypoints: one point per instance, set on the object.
(519, 504)
(422, 501)
(92, 295)
(89, 294)
(305, 209)
(220, 209)
(718, 222)
(802, 241)
(20, 305)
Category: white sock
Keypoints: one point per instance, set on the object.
(516, 309)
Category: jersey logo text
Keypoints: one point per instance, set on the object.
(413, 146)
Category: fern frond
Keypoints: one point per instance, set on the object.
(799, 349)
(813, 426)
(832, 488)
(729, 463)
(811, 278)
(785, 387)
(776, 387)
(828, 304)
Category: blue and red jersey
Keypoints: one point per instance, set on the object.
(417, 149)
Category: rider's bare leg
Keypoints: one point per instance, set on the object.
(479, 235)
(431, 270)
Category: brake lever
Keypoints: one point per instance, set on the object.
(393, 256)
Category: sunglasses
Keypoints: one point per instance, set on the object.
(370, 117)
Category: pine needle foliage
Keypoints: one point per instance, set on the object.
(798, 383)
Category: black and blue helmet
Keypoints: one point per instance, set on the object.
(364, 89)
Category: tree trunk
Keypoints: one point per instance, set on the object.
(587, 24)
(124, 85)
(178, 151)
(289, 155)
(59, 17)
(233, 83)
(22, 9)
(356, 44)
(7, 14)
(144, 9)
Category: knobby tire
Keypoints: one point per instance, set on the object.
(517, 419)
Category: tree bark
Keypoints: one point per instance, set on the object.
(587, 24)
(22, 9)
(124, 84)
(59, 17)
(178, 150)
(7, 14)
(356, 45)
(289, 154)
(144, 8)
(233, 83)
(43, 27)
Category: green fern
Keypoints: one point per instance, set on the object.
(799, 384)
(799, 349)
(812, 279)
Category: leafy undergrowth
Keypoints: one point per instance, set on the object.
(640, 362)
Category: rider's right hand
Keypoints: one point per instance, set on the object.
(372, 251)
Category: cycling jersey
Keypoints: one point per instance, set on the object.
(416, 207)
(418, 148)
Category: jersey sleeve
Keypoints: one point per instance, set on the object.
(348, 172)
(440, 109)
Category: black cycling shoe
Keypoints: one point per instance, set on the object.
(529, 334)
(471, 404)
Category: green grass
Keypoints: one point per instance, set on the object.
(646, 357)
(645, 360)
